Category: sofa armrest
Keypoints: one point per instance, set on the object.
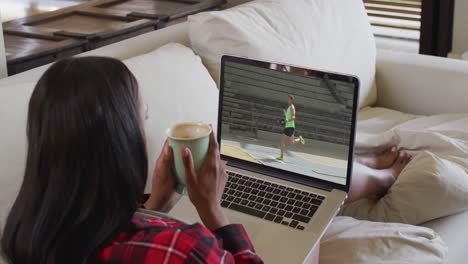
(3, 64)
(422, 85)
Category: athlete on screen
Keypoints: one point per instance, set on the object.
(289, 127)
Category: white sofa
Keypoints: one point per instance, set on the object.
(3, 65)
(408, 83)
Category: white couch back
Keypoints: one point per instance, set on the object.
(3, 66)
(420, 84)
(330, 35)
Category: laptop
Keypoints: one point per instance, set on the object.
(286, 134)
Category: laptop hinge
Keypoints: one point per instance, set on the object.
(282, 176)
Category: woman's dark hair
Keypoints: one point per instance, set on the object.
(86, 165)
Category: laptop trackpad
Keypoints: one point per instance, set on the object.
(185, 210)
(251, 224)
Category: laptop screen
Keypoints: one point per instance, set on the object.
(288, 118)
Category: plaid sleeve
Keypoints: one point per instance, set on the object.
(209, 247)
(159, 240)
(235, 240)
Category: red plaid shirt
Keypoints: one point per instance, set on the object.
(164, 240)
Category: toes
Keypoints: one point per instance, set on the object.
(393, 152)
(389, 151)
(409, 157)
(405, 158)
(401, 158)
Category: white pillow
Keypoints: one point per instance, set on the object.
(177, 88)
(14, 100)
(352, 241)
(331, 35)
(429, 187)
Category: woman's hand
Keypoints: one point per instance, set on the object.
(163, 196)
(206, 187)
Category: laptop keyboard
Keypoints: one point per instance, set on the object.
(273, 202)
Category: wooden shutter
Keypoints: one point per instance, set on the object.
(395, 18)
(429, 22)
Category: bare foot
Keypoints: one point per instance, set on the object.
(388, 176)
(391, 174)
(369, 182)
(401, 162)
(381, 161)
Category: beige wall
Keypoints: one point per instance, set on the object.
(3, 69)
(460, 28)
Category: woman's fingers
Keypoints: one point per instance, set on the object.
(214, 147)
(213, 143)
(170, 152)
(164, 148)
(190, 173)
(165, 159)
(168, 156)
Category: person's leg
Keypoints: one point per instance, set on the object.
(367, 181)
(292, 140)
(299, 139)
(283, 143)
(383, 160)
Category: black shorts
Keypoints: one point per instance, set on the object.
(289, 131)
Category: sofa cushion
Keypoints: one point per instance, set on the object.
(332, 35)
(450, 228)
(370, 242)
(14, 100)
(177, 88)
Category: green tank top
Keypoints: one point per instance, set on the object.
(289, 116)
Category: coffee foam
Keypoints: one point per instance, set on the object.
(189, 131)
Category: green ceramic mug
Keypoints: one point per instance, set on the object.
(196, 137)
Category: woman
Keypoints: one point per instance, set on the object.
(86, 172)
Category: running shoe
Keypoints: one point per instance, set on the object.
(302, 140)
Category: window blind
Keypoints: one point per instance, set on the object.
(395, 18)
